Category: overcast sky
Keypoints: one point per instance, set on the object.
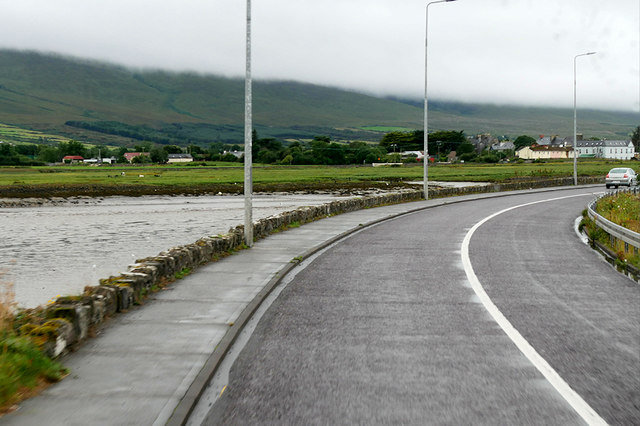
(494, 51)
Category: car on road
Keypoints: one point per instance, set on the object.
(621, 176)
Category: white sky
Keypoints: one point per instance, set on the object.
(494, 51)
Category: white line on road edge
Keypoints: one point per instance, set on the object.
(583, 409)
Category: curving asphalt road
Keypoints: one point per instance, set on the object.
(385, 327)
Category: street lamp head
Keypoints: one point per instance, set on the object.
(583, 54)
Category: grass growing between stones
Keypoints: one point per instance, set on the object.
(182, 273)
(24, 369)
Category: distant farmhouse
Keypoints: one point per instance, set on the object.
(72, 159)
(180, 158)
(543, 152)
(129, 156)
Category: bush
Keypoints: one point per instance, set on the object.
(469, 156)
(488, 158)
(228, 157)
(22, 365)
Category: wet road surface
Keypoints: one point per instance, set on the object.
(385, 328)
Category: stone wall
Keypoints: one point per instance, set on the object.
(67, 322)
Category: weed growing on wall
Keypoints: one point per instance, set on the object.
(24, 369)
(7, 303)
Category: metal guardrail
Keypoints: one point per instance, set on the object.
(628, 236)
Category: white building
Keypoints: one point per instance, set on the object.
(617, 150)
(235, 153)
(180, 158)
(418, 154)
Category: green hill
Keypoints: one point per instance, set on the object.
(104, 103)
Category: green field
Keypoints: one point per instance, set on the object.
(19, 135)
(386, 129)
(214, 174)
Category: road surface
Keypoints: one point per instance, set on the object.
(389, 327)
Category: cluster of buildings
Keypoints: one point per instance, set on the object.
(554, 147)
(129, 156)
(548, 148)
(557, 148)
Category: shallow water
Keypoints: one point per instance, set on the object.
(53, 250)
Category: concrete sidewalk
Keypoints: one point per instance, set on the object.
(142, 364)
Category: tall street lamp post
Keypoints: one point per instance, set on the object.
(575, 120)
(248, 175)
(425, 159)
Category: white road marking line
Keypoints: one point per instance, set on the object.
(583, 409)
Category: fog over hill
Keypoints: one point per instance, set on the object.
(101, 102)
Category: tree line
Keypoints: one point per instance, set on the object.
(321, 150)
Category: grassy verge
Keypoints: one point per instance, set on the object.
(624, 210)
(24, 369)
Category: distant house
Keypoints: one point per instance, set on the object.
(129, 156)
(545, 152)
(555, 140)
(480, 142)
(72, 159)
(106, 160)
(618, 150)
(502, 146)
(180, 158)
(419, 155)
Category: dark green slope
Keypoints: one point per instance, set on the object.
(534, 121)
(44, 92)
(43, 89)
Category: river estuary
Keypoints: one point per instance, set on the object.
(57, 249)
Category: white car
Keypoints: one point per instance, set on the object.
(621, 176)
